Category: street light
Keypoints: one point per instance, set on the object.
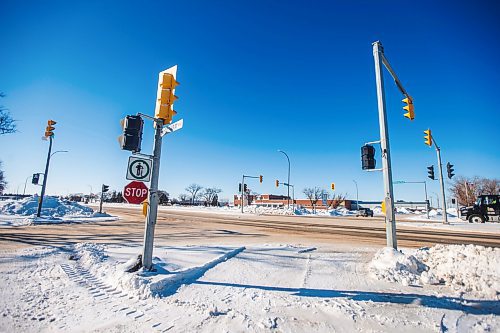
(59, 151)
(357, 196)
(24, 191)
(288, 182)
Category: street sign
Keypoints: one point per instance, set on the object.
(139, 168)
(135, 192)
(172, 127)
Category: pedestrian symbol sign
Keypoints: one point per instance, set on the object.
(139, 168)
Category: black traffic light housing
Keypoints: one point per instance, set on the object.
(368, 157)
(35, 179)
(430, 171)
(132, 133)
(239, 187)
(105, 188)
(245, 188)
(449, 169)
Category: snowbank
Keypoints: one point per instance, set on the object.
(54, 210)
(465, 268)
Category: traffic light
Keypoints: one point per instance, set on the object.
(409, 107)
(449, 168)
(35, 179)
(428, 137)
(430, 171)
(260, 178)
(239, 187)
(333, 186)
(245, 188)
(50, 128)
(277, 183)
(165, 97)
(132, 133)
(105, 188)
(368, 157)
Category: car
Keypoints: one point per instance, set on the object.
(366, 212)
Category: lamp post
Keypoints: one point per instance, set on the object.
(357, 195)
(24, 191)
(288, 182)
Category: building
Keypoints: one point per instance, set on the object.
(272, 200)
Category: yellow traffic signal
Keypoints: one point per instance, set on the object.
(333, 186)
(277, 183)
(49, 129)
(260, 178)
(428, 137)
(165, 97)
(383, 207)
(409, 107)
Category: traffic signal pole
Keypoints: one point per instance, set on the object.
(384, 143)
(40, 200)
(441, 181)
(147, 253)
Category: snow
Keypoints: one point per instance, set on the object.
(258, 288)
(54, 210)
(468, 269)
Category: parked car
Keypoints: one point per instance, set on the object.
(365, 212)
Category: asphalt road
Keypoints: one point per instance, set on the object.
(177, 227)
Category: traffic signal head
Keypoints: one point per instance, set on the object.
(333, 186)
(35, 179)
(105, 188)
(409, 107)
(277, 183)
(165, 97)
(239, 187)
(132, 133)
(50, 128)
(245, 188)
(449, 168)
(260, 178)
(368, 157)
(430, 172)
(428, 137)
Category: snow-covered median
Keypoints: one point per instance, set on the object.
(54, 210)
(467, 269)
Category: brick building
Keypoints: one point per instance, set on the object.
(271, 200)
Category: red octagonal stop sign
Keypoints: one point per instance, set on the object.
(135, 192)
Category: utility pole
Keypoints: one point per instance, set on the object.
(357, 194)
(242, 193)
(288, 181)
(40, 200)
(378, 54)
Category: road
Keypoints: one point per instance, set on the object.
(181, 227)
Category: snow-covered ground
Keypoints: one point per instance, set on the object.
(55, 210)
(265, 288)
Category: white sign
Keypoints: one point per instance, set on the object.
(172, 127)
(139, 168)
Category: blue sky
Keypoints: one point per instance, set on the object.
(256, 76)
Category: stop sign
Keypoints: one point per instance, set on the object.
(135, 192)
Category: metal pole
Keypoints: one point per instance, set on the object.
(24, 191)
(100, 205)
(441, 181)
(147, 253)
(426, 200)
(242, 191)
(40, 200)
(288, 182)
(384, 143)
(357, 195)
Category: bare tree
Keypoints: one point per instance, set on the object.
(6, 122)
(313, 194)
(193, 189)
(209, 194)
(3, 182)
(183, 197)
(337, 199)
(466, 190)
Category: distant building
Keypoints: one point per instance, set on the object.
(272, 200)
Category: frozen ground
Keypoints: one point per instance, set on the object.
(55, 210)
(267, 288)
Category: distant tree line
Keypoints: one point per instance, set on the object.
(197, 194)
(466, 190)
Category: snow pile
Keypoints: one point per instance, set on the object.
(164, 279)
(340, 211)
(465, 268)
(52, 207)
(260, 210)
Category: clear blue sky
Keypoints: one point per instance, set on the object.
(256, 76)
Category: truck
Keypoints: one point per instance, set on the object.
(486, 208)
